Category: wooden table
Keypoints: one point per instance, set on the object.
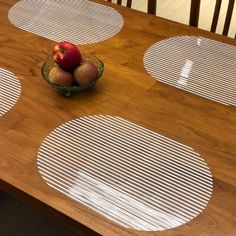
(127, 90)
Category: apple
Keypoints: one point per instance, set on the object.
(60, 77)
(66, 55)
(85, 73)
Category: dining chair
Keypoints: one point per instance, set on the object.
(195, 11)
(119, 2)
(151, 5)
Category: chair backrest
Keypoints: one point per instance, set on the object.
(195, 11)
(151, 5)
(119, 2)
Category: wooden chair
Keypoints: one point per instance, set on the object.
(195, 11)
(151, 5)
(119, 2)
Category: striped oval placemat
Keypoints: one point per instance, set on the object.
(198, 65)
(130, 174)
(10, 90)
(76, 21)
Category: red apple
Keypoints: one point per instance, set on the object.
(60, 77)
(66, 55)
(85, 73)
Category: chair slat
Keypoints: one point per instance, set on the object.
(194, 12)
(216, 15)
(129, 3)
(228, 17)
(152, 6)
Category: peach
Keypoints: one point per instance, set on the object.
(60, 77)
(85, 73)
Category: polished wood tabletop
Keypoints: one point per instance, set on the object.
(125, 90)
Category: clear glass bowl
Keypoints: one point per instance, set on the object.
(67, 90)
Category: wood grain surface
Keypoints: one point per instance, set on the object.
(126, 90)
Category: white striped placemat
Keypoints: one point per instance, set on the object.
(76, 21)
(198, 65)
(10, 90)
(130, 174)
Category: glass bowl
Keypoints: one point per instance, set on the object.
(67, 90)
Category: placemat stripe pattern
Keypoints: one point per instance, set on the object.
(10, 90)
(198, 65)
(76, 21)
(130, 174)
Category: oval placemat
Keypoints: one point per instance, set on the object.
(76, 21)
(198, 65)
(130, 174)
(10, 90)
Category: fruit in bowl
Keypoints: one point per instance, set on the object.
(59, 76)
(70, 70)
(85, 73)
(66, 55)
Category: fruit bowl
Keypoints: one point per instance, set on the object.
(49, 63)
